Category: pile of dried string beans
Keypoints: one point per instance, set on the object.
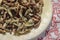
(19, 16)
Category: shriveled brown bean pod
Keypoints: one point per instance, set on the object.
(2, 31)
(24, 2)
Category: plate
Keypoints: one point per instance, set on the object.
(46, 18)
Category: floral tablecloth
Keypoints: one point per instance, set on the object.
(53, 31)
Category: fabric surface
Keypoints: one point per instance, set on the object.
(53, 31)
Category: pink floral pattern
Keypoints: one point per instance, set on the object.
(53, 32)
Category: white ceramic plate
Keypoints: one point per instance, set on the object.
(46, 18)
